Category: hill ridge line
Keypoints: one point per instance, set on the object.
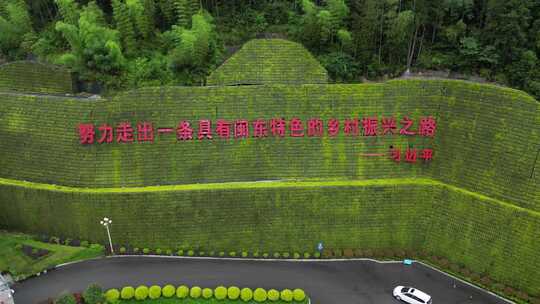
(263, 184)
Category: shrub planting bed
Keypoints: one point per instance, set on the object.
(22, 256)
(195, 294)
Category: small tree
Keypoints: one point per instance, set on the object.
(93, 295)
(66, 299)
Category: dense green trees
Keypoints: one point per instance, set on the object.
(16, 32)
(149, 42)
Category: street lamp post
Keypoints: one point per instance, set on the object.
(106, 222)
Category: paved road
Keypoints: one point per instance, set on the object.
(343, 282)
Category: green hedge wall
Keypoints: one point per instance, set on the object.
(485, 235)
(478, 204)
(486, 141)
(269, 61)
(35, 77)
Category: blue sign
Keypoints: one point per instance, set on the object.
(320, 246)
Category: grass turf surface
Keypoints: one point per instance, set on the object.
(19, 264)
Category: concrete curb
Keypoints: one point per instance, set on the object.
(250, 259)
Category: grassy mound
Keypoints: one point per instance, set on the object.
(34, 77)
(269, 61)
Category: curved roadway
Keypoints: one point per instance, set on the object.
(327, 282)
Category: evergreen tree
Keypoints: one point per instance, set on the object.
(145, 20)
(69, 10)
(16, 32)
(124, 25)
(507, 24)
(168, 10)
(94, 49)
(182, 13)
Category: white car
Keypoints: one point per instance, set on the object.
(411, 295)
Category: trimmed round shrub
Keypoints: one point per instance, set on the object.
(141, 293)
(256, 254)
(260, 295)
(273, 295)
(265, 255)
(207, 293)
(286, 295)
(180, 252)
(122, 250)
(244, 254)
(221, 253)
(168, 252)
(317, 255)
(195, 292)
(191, 253)
(246, 294)
(136, 250)
(233, 292)
(202, 253)
(154, 292)
(307, 255)
(299, 295)
(182, 291)
(93, 295)
(232, 254)
(66, 299)
(212, 253)
(220, 292)
(286, 255)
(168, 291)
(127, 293)
(158, 251)
(296, 255)
(112, 295)
(277, 255)
(146, 251)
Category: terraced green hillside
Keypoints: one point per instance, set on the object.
(269, 61)
(35, 77)
(476, 203)
(487, 236)
(486, 139)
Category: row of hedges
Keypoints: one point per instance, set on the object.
(486, 139)
(127, 250)
(34, 77)
(234, 293)
(486, 236)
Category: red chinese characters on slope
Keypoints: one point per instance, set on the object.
(204, 129)
(277, 127)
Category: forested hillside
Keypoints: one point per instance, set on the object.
(132, 43)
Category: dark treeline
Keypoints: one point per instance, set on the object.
(129, 43)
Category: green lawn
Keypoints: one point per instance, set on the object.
(19, 264)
